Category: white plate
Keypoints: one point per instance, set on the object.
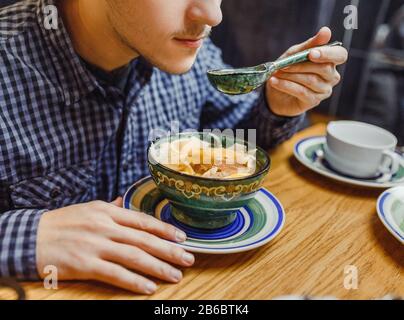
(390, 208)
(309, 152)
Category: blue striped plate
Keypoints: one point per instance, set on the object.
(390, 208)
(256, 224)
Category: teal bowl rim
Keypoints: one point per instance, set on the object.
(266, 167)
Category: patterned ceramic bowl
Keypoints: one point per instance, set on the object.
(202, 202)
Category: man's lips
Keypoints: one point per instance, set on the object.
(190, 43)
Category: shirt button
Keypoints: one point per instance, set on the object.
(55, 192)
(125, 166)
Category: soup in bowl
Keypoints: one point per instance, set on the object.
(206, 178)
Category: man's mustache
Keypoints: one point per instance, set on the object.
(195, 33)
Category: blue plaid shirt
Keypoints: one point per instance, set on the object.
(67, 138)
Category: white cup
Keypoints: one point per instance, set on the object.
(361, 150)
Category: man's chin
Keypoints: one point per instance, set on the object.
(177, 67)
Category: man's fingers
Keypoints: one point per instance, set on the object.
(334, 55)
(153, 245)
(136, 259)
(322, 37)
(327, 71)
(142, 221)
(309, 80)
(117, 275)
(308, 97)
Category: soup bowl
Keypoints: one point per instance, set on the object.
(202, 202)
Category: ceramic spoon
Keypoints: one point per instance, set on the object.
(245, 80)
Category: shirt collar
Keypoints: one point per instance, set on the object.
(74, 79)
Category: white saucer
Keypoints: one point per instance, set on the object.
(390, 208)
(310, 152)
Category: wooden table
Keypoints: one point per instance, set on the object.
(329, 226)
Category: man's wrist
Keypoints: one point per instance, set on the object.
(267, 112)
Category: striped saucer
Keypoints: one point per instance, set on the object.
(256, 224)
(390, 209)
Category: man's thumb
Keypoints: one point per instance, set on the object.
(322, 37)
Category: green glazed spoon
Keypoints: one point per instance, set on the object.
(245, 80)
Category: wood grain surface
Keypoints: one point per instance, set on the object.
(329, 226)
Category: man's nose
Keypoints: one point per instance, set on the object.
(207, 12)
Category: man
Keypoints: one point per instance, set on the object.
(76, 107)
